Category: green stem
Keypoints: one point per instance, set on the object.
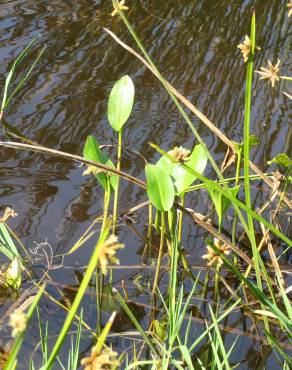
(186, 118)
(118, 180)
(149, 232)
(230, 179)
(78, 298)
(247, 118)
(237, 176)
(247, 115)
(11, 362)
(106, 202)
(162, 234)
(216, 284)
(180, 220)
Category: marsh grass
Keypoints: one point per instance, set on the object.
(168, 341)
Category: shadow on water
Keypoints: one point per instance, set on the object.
(194, 45)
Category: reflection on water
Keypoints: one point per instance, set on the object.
(194, 45)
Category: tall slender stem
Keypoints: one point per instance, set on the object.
(162, 234)
(247, 116)
(106, 202)
(234, 223)
(118, 180)
(180, 220)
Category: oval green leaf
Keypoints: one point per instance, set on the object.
(160, 188)
(121, 102)
(92, 152)
(197, 161)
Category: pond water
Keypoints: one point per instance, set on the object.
(194, 43)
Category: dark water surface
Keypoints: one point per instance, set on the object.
(194, 45)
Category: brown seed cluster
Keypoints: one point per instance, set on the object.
(108, 251)
(245, 48)
(271, 73)
(214, 258)
(18, 321)
(180, 154)
(9, 212)
(105, 359)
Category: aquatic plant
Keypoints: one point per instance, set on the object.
(167, 339)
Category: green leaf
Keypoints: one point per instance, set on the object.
(282, 159)
(197, 161)
(121, 102)
(11, 278)
(160, 188)
(221, 203)
(183, 178)
(92, 152)
(159, 329)
(166, 164)
(7, 246)
(253, 140)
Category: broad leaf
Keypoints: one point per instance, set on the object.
(221, 203)
(92, 152)
(183, 179)
(160, 188)
(166, 164)
(121, 102)
(197, 161)
(11, 278)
